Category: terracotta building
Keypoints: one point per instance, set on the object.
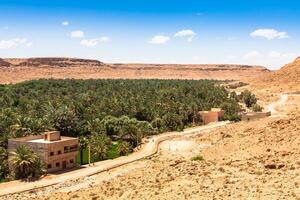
(215, 115)
(56, 151)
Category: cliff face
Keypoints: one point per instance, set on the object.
(54, 62)
(18, 70)
(3, 63)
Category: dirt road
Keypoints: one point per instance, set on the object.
(148, 149)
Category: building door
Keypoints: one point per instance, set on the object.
(64, 164)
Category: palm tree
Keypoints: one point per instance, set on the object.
(25, 163)
(3, 163)
(3, 154)
(124, 148)
(99, 144)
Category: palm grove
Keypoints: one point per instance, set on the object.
(103, 112)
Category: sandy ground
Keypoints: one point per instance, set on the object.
(253, 160)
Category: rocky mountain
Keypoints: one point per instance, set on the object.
(3, 63)
(287, 78)
(37, 68)
(54, 62)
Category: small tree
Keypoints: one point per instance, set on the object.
(248, 98)
(257, 108)
(124, 148)
(26, 163)
(100, 145)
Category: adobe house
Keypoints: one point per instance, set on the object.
(255, 115)
(214, 115)
(56, 151)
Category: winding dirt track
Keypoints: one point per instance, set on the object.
(148, 149)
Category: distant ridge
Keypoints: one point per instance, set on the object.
(3, 63)
(14, 70)
(54, 62)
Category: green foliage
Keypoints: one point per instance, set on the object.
(99, 145)
(197, 158)
(248, 98)
(257, 108)
(124, 148)
(4, 171)
(232, 111)
(126, 110)
(26, 163)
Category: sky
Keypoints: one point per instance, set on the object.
(256, 32)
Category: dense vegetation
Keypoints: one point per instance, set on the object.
(103, 111)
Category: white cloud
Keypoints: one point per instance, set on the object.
(77, 34)
(94, 42)
(7, 44)
(190, 34)
(269, 34)
(159, 39)
(65, 23)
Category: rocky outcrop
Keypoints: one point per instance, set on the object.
(60, 62)
(3, 63)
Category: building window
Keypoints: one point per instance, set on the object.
(72, 148)
(57, 164)
(71, 161)
(59, 152)
(51, 153)
(49, 166)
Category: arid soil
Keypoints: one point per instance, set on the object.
(246, 160)
(18, 70)
(286, 79)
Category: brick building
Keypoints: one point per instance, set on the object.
(215, 115)
(56, 151)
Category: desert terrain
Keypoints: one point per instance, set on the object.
(245, 160)
(17, 70)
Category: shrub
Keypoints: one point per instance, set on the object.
(197, 158)
(257, 108)
(248, 98)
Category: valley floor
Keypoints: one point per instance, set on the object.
(254, 160)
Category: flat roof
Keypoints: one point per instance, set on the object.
(62, 139)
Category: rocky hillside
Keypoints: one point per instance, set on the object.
(54, 62)
(16, 70)
(285, 79)
(3, 63)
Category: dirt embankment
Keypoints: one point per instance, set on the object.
(18, 70)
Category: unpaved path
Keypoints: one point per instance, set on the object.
(273, 107)
(148, 149)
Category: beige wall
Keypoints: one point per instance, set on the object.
(255, 115)
(44, 150)
(208, 117)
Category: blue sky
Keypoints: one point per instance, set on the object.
(257, 32)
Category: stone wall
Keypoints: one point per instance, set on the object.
(255, 115)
